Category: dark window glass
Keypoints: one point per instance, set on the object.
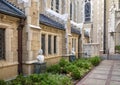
(72, 43)
(49, 44)
(87, 12)
(2, 43)
(43, 43)
(52, 4)
(55, 44)
(70, 11)
(57, 5)
(119, 4)
(75, 45)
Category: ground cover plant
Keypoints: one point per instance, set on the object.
(40, 79)
(76, 69)
(62, 73)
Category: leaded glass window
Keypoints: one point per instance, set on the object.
(87, 12)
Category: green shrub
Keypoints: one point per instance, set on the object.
(41, 79)
(78, 73)
(70, 68)
(83, 64)
(63, 62)
(95, 60)
(117, 47)
(2, 82)
(54, 68)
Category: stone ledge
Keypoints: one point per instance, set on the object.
(7, 64)
(33, 26)
(29, 62)
(52, 57)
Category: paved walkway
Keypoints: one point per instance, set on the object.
(107, 73)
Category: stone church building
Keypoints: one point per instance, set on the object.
(26, 26)
(57, 27)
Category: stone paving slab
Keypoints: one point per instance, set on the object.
(107, 73)
(98, 76)
(115, 78)
(101, 72)
(114, 83)
(101, 68)
(93, 82)
(117, 73)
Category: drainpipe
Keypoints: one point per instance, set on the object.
(104, 42)
(20, 29)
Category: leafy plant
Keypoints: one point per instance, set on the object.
(2, 82)
(117, 48)
(95, 60)
(63, 62)
(54, 68)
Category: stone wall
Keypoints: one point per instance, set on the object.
(91, 49)
(8, 66)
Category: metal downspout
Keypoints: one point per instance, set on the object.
(20, 29)
(104, 37)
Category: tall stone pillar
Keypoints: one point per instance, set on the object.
(32, 34)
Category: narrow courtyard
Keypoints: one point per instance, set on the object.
(107, 73)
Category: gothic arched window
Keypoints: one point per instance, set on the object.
(87, 11)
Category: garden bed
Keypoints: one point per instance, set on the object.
(63, 73)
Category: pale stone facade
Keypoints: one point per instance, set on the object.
(67, 38)
(95, 26)
(8, 67)
(113, 21)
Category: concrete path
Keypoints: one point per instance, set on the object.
(107, 73)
